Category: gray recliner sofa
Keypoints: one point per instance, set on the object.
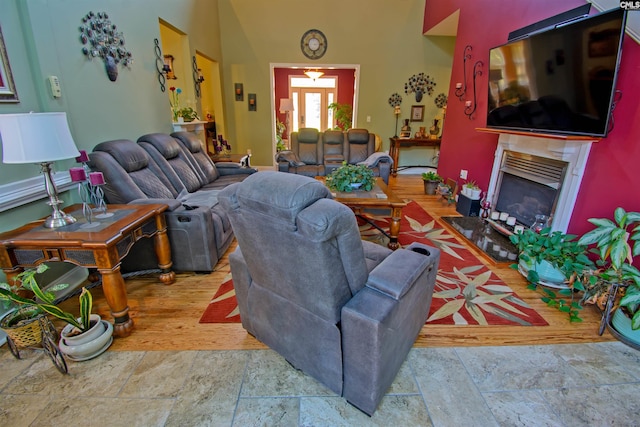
(315, 153)
(342, 310)
(199, 230)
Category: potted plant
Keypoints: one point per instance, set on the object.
(188, 114)
(431, 180)
(280, 128)
(343, 114)
(558, 262)
(471, 190)
(349, 177)
(83, 338)
(617, 244)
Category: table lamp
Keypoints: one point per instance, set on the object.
(39, 138)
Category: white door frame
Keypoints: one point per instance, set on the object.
(274, 65)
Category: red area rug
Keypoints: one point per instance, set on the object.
(466, 292)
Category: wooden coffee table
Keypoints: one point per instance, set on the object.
(101, 245)
(381, 197)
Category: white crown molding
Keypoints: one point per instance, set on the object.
(18, 193)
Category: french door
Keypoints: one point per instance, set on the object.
(311, 104)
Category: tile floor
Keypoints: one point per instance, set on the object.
(557, 385)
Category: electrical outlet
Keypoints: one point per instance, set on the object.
(368, 119)
(463, 173)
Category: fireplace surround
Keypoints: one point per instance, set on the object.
(554, 182)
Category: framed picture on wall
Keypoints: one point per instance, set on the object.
(7, 88)
(417, 113)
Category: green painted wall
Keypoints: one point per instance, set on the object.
(244, 36)
(42, 39)
(384, 37)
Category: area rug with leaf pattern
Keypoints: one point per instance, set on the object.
(466, 291)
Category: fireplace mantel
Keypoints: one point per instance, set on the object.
(573, 149)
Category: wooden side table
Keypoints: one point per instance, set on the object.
(397, 143)
(101, 245)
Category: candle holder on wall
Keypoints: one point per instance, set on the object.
(198, 78)
(469, 106)
(461, 88)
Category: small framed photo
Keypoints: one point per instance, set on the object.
(417, 113)
(239, 91)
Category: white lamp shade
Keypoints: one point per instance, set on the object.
(36, 138)
(286, 104)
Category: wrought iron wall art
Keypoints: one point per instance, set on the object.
(197, 76)
(461, 88)
(102, 40)
(470, 106)
(420, 84)
(161, 66)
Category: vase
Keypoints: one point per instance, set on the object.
(419, 95)
(89, 344)
(430, 187)
(435, 129)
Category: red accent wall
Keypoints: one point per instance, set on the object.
(611, 177)
(346, 82)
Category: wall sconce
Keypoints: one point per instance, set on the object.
(461, 88)
(197, 76)
(162, 67)
(239, 91)
(470, 107)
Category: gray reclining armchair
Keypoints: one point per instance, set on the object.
(342, 310)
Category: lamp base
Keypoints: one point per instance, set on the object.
(55, 221)
(58, 218)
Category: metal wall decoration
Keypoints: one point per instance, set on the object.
(252, 102)
(161, 66)
(7, 88)
(470, 106)
(101, 40)
(461, 88)
(197, 76)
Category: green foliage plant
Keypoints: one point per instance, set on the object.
(431, 176)
(617, 243)
(280, 128)
(342, 178)
(188, 113)
(44, 300)
(564, 253)
(343, 114)
(472, 185)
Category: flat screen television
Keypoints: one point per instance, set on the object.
(561, 80)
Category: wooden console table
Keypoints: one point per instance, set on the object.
(397, 143)
(102, 245)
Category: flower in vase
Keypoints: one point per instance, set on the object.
(174, 100)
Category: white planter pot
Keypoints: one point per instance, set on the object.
(474, 194)
(89, 344)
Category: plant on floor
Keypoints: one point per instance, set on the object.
(43, 301)
(553, 256)
(349, 177)
(617, 243)
(343, 114)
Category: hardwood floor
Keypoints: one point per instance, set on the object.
(166, 316)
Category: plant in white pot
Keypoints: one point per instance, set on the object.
(617, 245)
(83, 337)
(471, 190)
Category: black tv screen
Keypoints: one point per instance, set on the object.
(558, 81)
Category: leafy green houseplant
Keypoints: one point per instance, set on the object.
(431, 180)
(280, 128)
(349, 177)
(617, 243)
(343, 114)
(43, 302)
(557, 258)
(188, 114)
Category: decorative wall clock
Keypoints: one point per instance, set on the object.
(313, 44)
